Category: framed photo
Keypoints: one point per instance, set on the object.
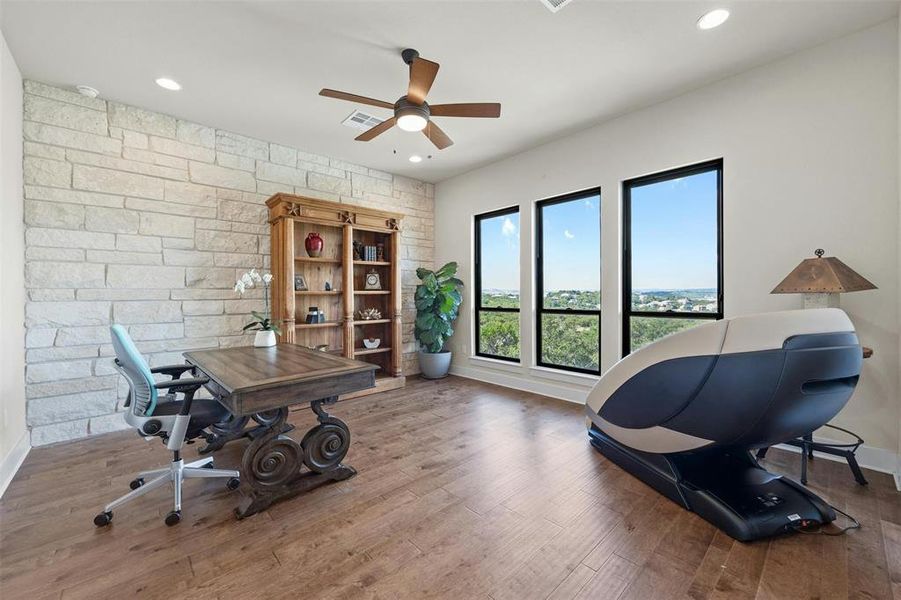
(300, 283)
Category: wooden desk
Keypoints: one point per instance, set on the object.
(263, 383)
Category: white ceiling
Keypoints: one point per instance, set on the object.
(256, 67)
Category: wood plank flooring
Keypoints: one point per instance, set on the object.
(465, 490)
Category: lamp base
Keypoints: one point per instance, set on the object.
(821, 300)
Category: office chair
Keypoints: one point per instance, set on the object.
(175, 421)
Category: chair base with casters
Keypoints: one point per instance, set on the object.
(175, 421)
(176, 473)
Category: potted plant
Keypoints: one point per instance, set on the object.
(264, 326)
(438, 300)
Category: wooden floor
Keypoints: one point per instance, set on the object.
(465, 490)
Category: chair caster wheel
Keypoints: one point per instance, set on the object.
(103, 519)
(136, 483)
(173, 518)
(233, 483)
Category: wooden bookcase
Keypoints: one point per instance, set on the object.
(291, 219)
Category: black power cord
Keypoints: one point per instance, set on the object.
(855, 524)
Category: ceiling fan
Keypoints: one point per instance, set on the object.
(412, 112)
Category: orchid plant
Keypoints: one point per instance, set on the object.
(262, 321)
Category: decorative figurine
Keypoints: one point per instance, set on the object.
(370, 314)
(314, 315)
(328, 286)
(373, 281)
(372, 343)
(313, 244)
(300, 283)
(358, 250)
(380, 252)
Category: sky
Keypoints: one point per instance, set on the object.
(673, 240)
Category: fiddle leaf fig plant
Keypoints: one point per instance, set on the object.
(438, 300)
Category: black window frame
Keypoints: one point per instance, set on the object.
(627, 187)
(477, 261)
(539, 278)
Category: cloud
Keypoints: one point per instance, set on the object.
(508, 228)
(568, 234)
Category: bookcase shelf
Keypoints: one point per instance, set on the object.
(292, 219)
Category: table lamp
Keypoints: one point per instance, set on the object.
(821, 280)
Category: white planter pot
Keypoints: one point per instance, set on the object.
(264, 339)
(434, 365)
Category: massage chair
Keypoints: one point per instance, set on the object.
(683, 414)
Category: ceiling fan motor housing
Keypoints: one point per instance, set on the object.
(405, 107)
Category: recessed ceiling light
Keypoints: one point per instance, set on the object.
(415, 158)
(714, 18)
(86, 90)
(168, 84)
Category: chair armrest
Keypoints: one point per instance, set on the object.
(182, 385)
(173, 370)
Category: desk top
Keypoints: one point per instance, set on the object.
(248, 379)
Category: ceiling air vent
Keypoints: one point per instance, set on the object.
(360, 120)
(555, 5)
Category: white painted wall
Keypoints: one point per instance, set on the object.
(13, 434)
(810, 144)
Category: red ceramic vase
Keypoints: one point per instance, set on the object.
(313, 244)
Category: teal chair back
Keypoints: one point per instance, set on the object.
(136, 372)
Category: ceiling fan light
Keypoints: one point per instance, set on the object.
(411, 122)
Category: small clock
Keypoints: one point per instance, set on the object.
(373, 281)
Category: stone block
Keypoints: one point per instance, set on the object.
(234, 161)
(380, 174)
(214, 224)
(50, 194)
(107, 424)
(112, 220)
(168, 225)
(66, 314)
(214, 325)
(40, 338)
(327, 183)
(220, 241)
(118, 257)
(152, 277)
(79, 336)
(244, 212)
(44, 151)
(192, 133)
(157, 331)
(365, 183)
(201, 307)
(94, 179)
(43, 411)
(68, 138)
(210, 277)
(65, 238)
(56, 371)
(43, 171)
(124, 294)
(50, 295)
(154, 158)
(127, 166)
(55, 254)
(181, 149)
(244, 306)
(319, 159)
(63, 275)
(170, 208)
(346, 166)
(134, 139)
(178, 243)
(63, 95)
(281, 174)
(268, 188)
(38, 355)
(234, 143)
(138, 119)
(239, 261)
(138, 243)
(318, 194)
(71, 386)
(221, 176)
(58, 432)
(64, 114)
(317, 168)
(261, 229)
(187, 258)
(283, 155)
(128, 313)
(53, 214)
(190, 193)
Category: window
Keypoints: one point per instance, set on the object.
(497, 284)
(568, 283)
(672, 252)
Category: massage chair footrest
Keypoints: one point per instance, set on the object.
(727, 488)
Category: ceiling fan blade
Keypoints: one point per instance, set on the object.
(422, 75)
(354, 98)
(436, 136)
(488, 110)
(377, 130)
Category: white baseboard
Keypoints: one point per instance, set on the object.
(877, 459)
(13, 461)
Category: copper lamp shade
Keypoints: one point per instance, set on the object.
(822, 275)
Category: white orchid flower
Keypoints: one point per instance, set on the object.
(239, 287)
(247, 280)
(255, 276)
(267, 278)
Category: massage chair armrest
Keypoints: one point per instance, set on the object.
(174, 371)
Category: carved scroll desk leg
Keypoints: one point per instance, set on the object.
(272, 462)
(234, 428)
